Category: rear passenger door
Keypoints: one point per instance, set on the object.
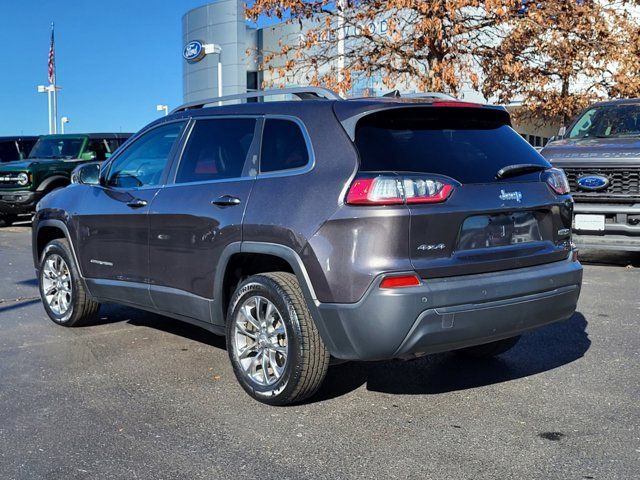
(194, 218)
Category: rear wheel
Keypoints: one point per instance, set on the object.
(274, 346)
(63, 294)
(6, 220)
(489, 350)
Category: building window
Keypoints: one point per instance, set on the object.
(252, 85)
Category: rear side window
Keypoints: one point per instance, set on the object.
(467, 144)
(217, 148)
(283, 146)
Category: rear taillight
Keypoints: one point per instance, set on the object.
(396, 190)
(557, 180)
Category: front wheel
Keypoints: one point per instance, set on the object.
(274, 346)
(63, 294)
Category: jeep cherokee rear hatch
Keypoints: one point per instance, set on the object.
(480, 197)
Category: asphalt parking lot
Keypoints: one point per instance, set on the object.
(137, 395)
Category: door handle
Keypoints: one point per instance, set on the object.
(226, 201)
(137, 203)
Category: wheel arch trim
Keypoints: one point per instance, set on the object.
(293, 259)
(52, 180)
(63, 227)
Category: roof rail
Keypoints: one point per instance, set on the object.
(303, 93)
(398, 94)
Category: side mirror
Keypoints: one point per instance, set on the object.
(87, 174)
(88, 156)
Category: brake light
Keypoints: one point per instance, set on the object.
(446, 103)
(400, 281)
(557, 180)
(395, 190)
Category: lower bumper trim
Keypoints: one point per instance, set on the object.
(450, 328)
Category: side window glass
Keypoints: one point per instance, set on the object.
(283, 146)
(143, 162)
(99, 147)
(217, 148)
(112, 144)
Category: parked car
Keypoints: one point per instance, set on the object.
(15, 148)
(48, 167)
(308, 230)
(600, 154)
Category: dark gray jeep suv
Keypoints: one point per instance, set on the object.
(360, 229)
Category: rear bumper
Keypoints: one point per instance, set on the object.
(450, 313)
(619, 233)
(16, 202)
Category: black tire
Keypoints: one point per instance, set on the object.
(7, 220)
(307, 357)
(82, 307)
(489, 350)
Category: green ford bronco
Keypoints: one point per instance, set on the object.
(49, 165)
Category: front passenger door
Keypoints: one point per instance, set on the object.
(113, 225)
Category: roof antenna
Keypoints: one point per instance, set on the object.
(392, 94)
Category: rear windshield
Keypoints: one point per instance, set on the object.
(467, 144)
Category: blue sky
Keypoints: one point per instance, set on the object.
(116, 59)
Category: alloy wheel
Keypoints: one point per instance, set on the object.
(260, 341)
(56, 284)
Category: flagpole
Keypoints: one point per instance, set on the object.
(51, 127)
(55, 108)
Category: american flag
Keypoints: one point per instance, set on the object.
(52, 60)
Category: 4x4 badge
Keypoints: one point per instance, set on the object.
(517, 196)
(437, 246)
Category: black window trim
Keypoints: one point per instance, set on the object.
(106, 169)
(253, 151)
(311, 163)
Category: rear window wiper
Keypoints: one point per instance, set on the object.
(519, 169)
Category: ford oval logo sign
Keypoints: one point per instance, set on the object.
(193, 51)
(593, 182)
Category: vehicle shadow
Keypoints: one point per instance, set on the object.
(111, 313)
(608, 257)
(7, 307)
(538, 351)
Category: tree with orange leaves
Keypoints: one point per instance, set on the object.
(416, 44)
(557, 57)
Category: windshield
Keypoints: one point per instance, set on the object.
(57, 148)
(8, 152)
(608, 122)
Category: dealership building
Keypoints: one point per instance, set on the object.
(221, 51)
